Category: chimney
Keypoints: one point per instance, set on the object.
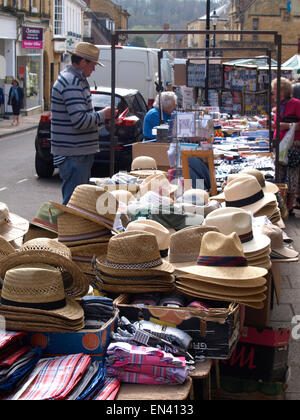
(166, 27)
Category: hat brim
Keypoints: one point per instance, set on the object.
(226, 273)
(87, 58)
(16, 228)
(144, 173)
(286, 252)
(257, 244)
(135, 289)
(270, 188)
(88, 216)
(259, 282)
(163, 280)
(259, 205)
(79, 285)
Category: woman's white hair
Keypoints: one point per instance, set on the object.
(167, 100)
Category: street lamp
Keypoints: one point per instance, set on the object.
(214, 19)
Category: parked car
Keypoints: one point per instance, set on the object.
(128, 130)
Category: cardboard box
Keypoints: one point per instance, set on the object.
(259, 355)
(215, 333)
(179, 75)
(158, 151)
(91, 342)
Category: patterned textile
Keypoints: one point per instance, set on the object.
(8, 337)
(109, 390)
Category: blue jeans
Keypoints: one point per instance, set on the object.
(74, 171)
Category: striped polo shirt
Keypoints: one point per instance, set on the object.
(74, 123)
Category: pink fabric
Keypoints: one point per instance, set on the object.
(292, 108)
(110, 389)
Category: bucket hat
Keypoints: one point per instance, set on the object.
(12, 226)
(134, 253)
(157, 183)
(278, 247)
(232, 219)
(92, 203)
(32, 291)
(221, 256)
(88, 51)
(162, 234)
(51, 252)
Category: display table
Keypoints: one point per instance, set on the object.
(155, 392)
(202, 373)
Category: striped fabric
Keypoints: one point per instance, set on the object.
(9, 337)
(222, 261)
(74, 123)
(110, 389)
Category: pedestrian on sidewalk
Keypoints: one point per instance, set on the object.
(74, 123)
(15, 99)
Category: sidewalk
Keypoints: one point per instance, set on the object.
(27, 122)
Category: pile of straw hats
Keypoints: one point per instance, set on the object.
(33, 298)
(144, 166)
(279, 249)
(222, 273)
(256, 245)
(133, 264)
(159, 184)
(196, 201)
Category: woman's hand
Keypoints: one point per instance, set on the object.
(285, 126)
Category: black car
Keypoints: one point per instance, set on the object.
(129, 129)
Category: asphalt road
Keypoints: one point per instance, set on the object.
(20, 188)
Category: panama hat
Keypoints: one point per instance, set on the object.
(133, 253)
(12, 226)
(92, 203)
(232, 219)
(267, 186)
(88, 51)
(278, 247)
(35, 293)
(157, 183)
(52, 252)
(221, 256)
(162, 234)
(83, 255)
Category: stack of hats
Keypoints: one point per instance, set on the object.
(144, 166)
(162, 234)
(159, 184)
(279, 249)
(222, 273)
(12, 226)
(86, 224)
(134, 265)
(33, 298)
(196, 201)
(256, 246)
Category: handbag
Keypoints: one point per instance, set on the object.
(286, 144)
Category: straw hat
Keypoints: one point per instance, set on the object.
(92, 203)
(232, 219)
(157, 183)
(88, 51)
(185, 245)
(12, 226)
(5, 248)
(162, 234)
(143, 162)
(48, 251)
(75, 230)
(46, 217)
(222, 257)
(123, 196)
(133, 253)
(197, 197)
(278, 247)
(30, 291)
(245, 284)
(84, 255)
(268, 187)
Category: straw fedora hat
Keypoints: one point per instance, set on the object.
(12, 226)
(185, 245)
(232, 219)
(278, 247)
(30, 291)
(268, 187)
(83, 255)
(157, 183)
(143, 162)
(75, 230)
(92, 203)
(88, 51)
(133, 253)
(51, 252)
(221, 256)
(162, 234)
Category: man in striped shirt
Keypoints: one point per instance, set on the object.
(74, 123)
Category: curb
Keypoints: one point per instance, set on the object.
(18, 131)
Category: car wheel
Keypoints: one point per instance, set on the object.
(43, 168)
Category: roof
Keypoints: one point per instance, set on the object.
(259, 62)
(163, 39)
(222, 12)
(293, 62)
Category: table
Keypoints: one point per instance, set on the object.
(202, 373)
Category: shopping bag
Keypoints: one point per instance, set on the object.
(285, 144)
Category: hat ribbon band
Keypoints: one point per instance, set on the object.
(143, 265)
(83, 236)
(44, 306)
(144, 169)
(88, 213)
(246, 237)
(246, 201)
(222, 261)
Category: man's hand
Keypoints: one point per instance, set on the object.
(107, 113)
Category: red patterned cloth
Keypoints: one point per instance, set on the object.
(110, 389)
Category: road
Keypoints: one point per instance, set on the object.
(20, 187)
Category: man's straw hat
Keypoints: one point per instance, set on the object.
(88, 51)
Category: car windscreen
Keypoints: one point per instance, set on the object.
(102, 100)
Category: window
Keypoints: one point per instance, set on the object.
(255, 28)
(58, 18)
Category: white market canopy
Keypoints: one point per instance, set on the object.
(293, 63)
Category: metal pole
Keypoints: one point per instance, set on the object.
(159, 87)
(278, 40)
(270, 101)
(206, 102)
(114, 42)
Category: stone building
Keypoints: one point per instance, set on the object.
(166, 41)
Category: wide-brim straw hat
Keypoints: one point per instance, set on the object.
(76, 230)
(217, 253)
(136, 288)
(84, 255)
(12, 226)
(268, 187)
(163, 280)
(32, 290)
(92, 203)
(134, 253)
(51, 252)
(158, 183)
(277, 243)
(258, 282)
(162, 234)
(88, 51)
(232, 219)
(5, 248)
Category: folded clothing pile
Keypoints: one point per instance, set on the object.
(16, 360)
(97, 311)
(145, 365)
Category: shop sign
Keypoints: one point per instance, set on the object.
(32, 38)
